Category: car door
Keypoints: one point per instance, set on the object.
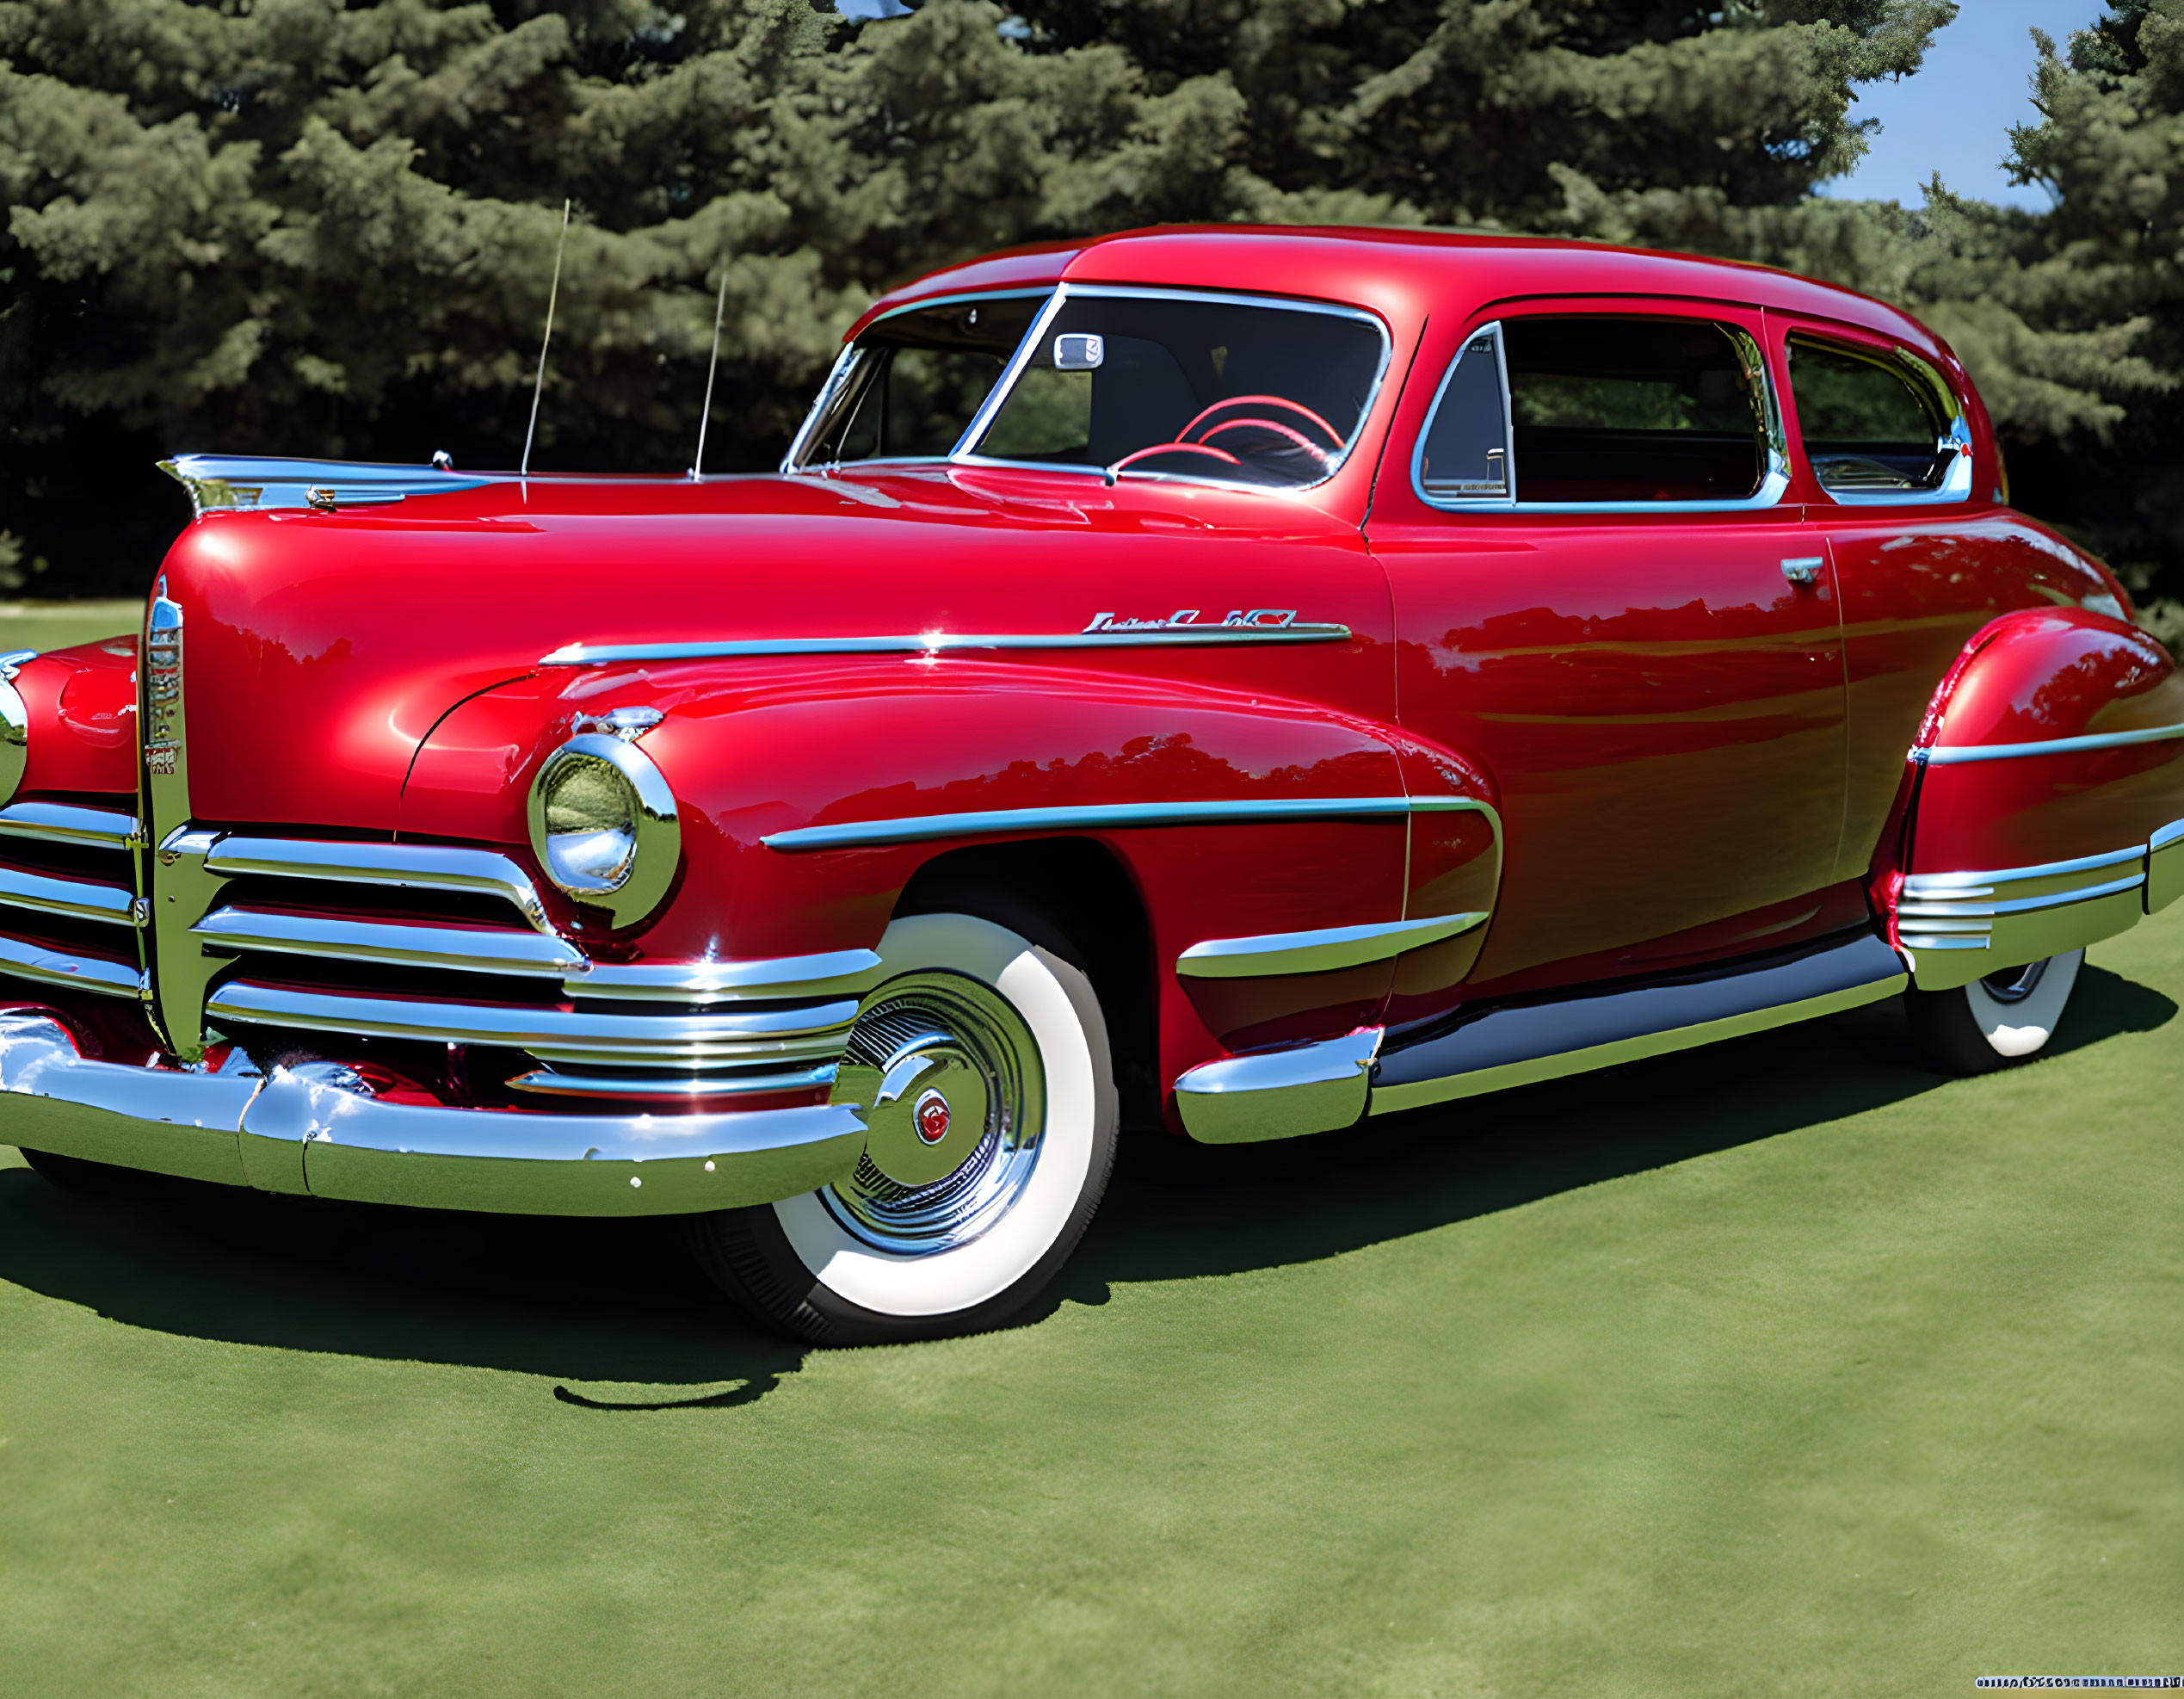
(1601, 599)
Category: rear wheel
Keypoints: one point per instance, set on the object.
(982, 1066)
(2006, 1017)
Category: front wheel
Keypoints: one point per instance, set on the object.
(1991, 1023)
(981, 1066)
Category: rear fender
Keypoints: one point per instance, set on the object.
(2042, 798)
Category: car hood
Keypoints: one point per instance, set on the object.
(321, 648)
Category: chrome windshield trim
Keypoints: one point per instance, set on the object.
(1952, 756)
(996, 398)
(421, 866)
(62, 822)
(1925, 884)
(812, 1030)
(465, 949)
(1098, 816)
(837, 375)
(942, 642)
(837, 972)
(982, 421)
(81, 899)
(1320, 950)
(46, 967)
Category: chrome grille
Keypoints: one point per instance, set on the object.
(69, 913)
(448, 944)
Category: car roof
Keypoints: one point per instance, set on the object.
(1403, 274)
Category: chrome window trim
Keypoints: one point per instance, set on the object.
(1322, 950)
(1012, 369)
(964, 456)
(1774, 481)
(1956, 483)
(1956, 755)
(846, 363)
(941, 642)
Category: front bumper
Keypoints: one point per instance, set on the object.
(295, 1133)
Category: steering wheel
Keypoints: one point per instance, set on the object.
(1199, 430)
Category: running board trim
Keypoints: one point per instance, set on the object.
(1516, 1044)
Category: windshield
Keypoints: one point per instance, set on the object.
(1204, 388)
(919, 379)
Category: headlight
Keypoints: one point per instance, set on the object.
(603, 826)
(14, 723)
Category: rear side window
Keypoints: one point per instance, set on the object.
(1872, 426)
(1602, 411)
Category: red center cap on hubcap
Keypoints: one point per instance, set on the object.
(930, 1117)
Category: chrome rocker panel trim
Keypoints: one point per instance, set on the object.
(1318, 951)
(1279, 1094)
(1959, 927)
(297, 1135)
(1534, 1039)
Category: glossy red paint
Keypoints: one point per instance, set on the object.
(1683, 756)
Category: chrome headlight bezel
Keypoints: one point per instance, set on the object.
(640, 885)
(15, 723)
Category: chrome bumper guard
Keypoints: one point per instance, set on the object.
(318, 1130)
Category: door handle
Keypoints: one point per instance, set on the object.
(1804, 570)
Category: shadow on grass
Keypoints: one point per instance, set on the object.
(614, 1303)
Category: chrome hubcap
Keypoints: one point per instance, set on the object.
(948, 1077)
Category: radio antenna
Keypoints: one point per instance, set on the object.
(553, 294)
(705, 415)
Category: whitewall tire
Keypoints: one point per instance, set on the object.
(981, 1064)
(2006, 1017)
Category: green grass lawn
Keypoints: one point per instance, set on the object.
(1777, 1368)
(46, 626)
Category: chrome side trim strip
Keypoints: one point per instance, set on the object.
(463, 950)
(814, 1031)
(81, 973)
(836, 973)
(2052, 899)
(1318, 951)
(943, 642)
(850, 834)
(1956, 756)
(82, 899)
(1939, 885)
(218, 483)
(1279, 1094)
(1535, 1038)
(2170, 834)
(675, 1087)
(2164, 868)
(423, 867)
(60, 823)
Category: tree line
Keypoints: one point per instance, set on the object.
(303, 227)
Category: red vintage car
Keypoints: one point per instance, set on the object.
(1249, 679)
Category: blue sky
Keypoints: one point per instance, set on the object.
(1955, 116)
